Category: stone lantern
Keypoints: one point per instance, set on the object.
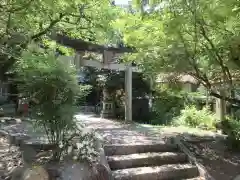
(108, 105)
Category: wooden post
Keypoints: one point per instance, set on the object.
(128, 93)
(77, 60)
(221, 107)
(150, 100)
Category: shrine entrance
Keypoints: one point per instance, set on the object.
(108, 56)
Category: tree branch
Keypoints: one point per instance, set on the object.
(48, 28)
(219, 59)
(205, 82)
(229, 99)
(201, 23)
(192, 61)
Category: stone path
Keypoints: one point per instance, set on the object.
(128, 147)
(118, 133)
(137, 153)
(24, 128)
(113, 132)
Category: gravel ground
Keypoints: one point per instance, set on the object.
(220, 162)
(10, 158)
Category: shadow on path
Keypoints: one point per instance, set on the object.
(118, 133)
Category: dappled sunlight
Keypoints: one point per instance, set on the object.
(177, 130)
(220, 162)
(142, 155)
(26, 130)
(92, 121)
(10, 156)
(149, 170)
(122, 136)
(207, 146)
(115, 132)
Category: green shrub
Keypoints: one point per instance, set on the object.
(192, 117)
(54, 88)
(231, 127)
(169, 101)
(82, 145)
(166, 105)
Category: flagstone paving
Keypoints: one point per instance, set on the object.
(117, 133)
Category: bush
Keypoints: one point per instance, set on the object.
(169, 101)
(192, 117)
(231, 127)
(54, 89)
(83, 145)
(166, 105)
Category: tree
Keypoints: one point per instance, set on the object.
(52, 89)
(197, 37)
(32, 20)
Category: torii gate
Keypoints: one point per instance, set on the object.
(108, 54)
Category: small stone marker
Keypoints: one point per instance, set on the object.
(35, 173)
(82, 171)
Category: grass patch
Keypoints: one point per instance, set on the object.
(160, 129)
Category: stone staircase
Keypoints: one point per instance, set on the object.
(159, 161)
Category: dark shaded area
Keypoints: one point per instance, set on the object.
(114, 82)
(141, 110)
(12, 90)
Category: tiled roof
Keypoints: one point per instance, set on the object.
(173, 77)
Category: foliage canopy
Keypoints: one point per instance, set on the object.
(195, 37)
(23, 21)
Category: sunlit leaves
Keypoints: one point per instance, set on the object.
(71, 16)
(175, 33)
(23, 21)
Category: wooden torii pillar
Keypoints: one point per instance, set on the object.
(108, 54)
(128, 93)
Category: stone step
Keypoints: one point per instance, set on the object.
(39, 146)
(196, 178)
(124, 149)
(165, 172)
(145, 159)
